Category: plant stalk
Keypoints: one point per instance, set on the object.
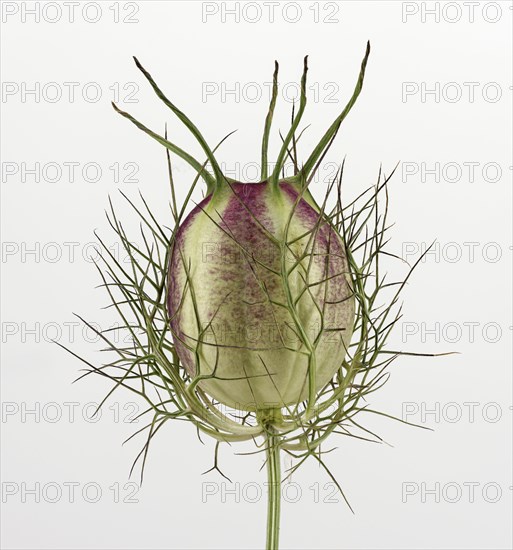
(274, 489)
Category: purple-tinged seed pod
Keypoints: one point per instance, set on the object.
(259, 298)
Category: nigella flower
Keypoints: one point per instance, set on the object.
(262, 315)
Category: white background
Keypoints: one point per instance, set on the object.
(187, 50)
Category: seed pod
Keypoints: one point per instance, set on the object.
(259, 296)
(252, 300)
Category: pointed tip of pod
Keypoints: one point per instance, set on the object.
(143, 70)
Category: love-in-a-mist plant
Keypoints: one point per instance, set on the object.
(260, 313)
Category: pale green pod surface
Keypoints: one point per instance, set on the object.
(260, 302)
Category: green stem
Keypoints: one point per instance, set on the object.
(274, 489)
